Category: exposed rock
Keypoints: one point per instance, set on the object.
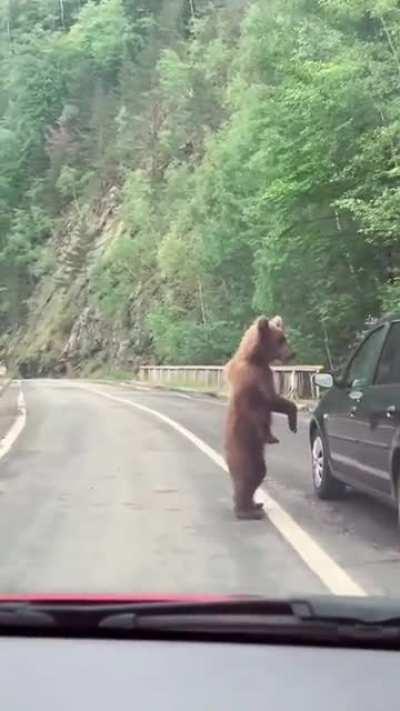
(65, 333)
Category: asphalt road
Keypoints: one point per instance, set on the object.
(100, 494)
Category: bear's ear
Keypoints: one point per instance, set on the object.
(277, 322)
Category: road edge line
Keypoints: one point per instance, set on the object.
(330, 573)
(17, 426)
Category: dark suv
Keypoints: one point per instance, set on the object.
(355, 429)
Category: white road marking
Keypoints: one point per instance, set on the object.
(16, 428)
(331, 574)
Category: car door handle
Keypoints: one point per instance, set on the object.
(391, 411)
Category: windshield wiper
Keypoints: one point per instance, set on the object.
(128, 616)
(21, 615)
(322, 618)
(329, 620)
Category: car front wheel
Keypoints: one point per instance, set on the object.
(325, 485)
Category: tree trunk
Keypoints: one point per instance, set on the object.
(62, 13)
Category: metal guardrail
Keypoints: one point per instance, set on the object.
(294, 381)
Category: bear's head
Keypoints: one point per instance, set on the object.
(265, 342)
(273, 340)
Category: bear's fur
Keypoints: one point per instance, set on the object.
(252, 399)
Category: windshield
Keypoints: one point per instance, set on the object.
(199, 213)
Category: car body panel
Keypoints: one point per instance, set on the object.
(335, 425)
(360, 424)
(377, 432)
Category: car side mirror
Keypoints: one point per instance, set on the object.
(323, 380)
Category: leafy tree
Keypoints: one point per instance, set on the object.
(253, 149)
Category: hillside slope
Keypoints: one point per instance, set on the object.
(169, 169)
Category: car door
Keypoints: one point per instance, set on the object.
(340, 421)
(378, 418)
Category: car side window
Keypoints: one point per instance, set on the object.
(362, 367)
(389, 363)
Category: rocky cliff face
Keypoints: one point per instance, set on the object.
(65, 333)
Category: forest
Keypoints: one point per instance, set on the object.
(171, 168)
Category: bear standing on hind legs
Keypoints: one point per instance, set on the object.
(252, 400)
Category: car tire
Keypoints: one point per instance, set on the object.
(325, 485)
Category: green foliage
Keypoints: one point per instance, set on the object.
(101, 36)
(253, 147)
(129, 264)
(182, 340)
(114, 278)
(390, 297)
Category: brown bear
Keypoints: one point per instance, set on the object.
(252, 399)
